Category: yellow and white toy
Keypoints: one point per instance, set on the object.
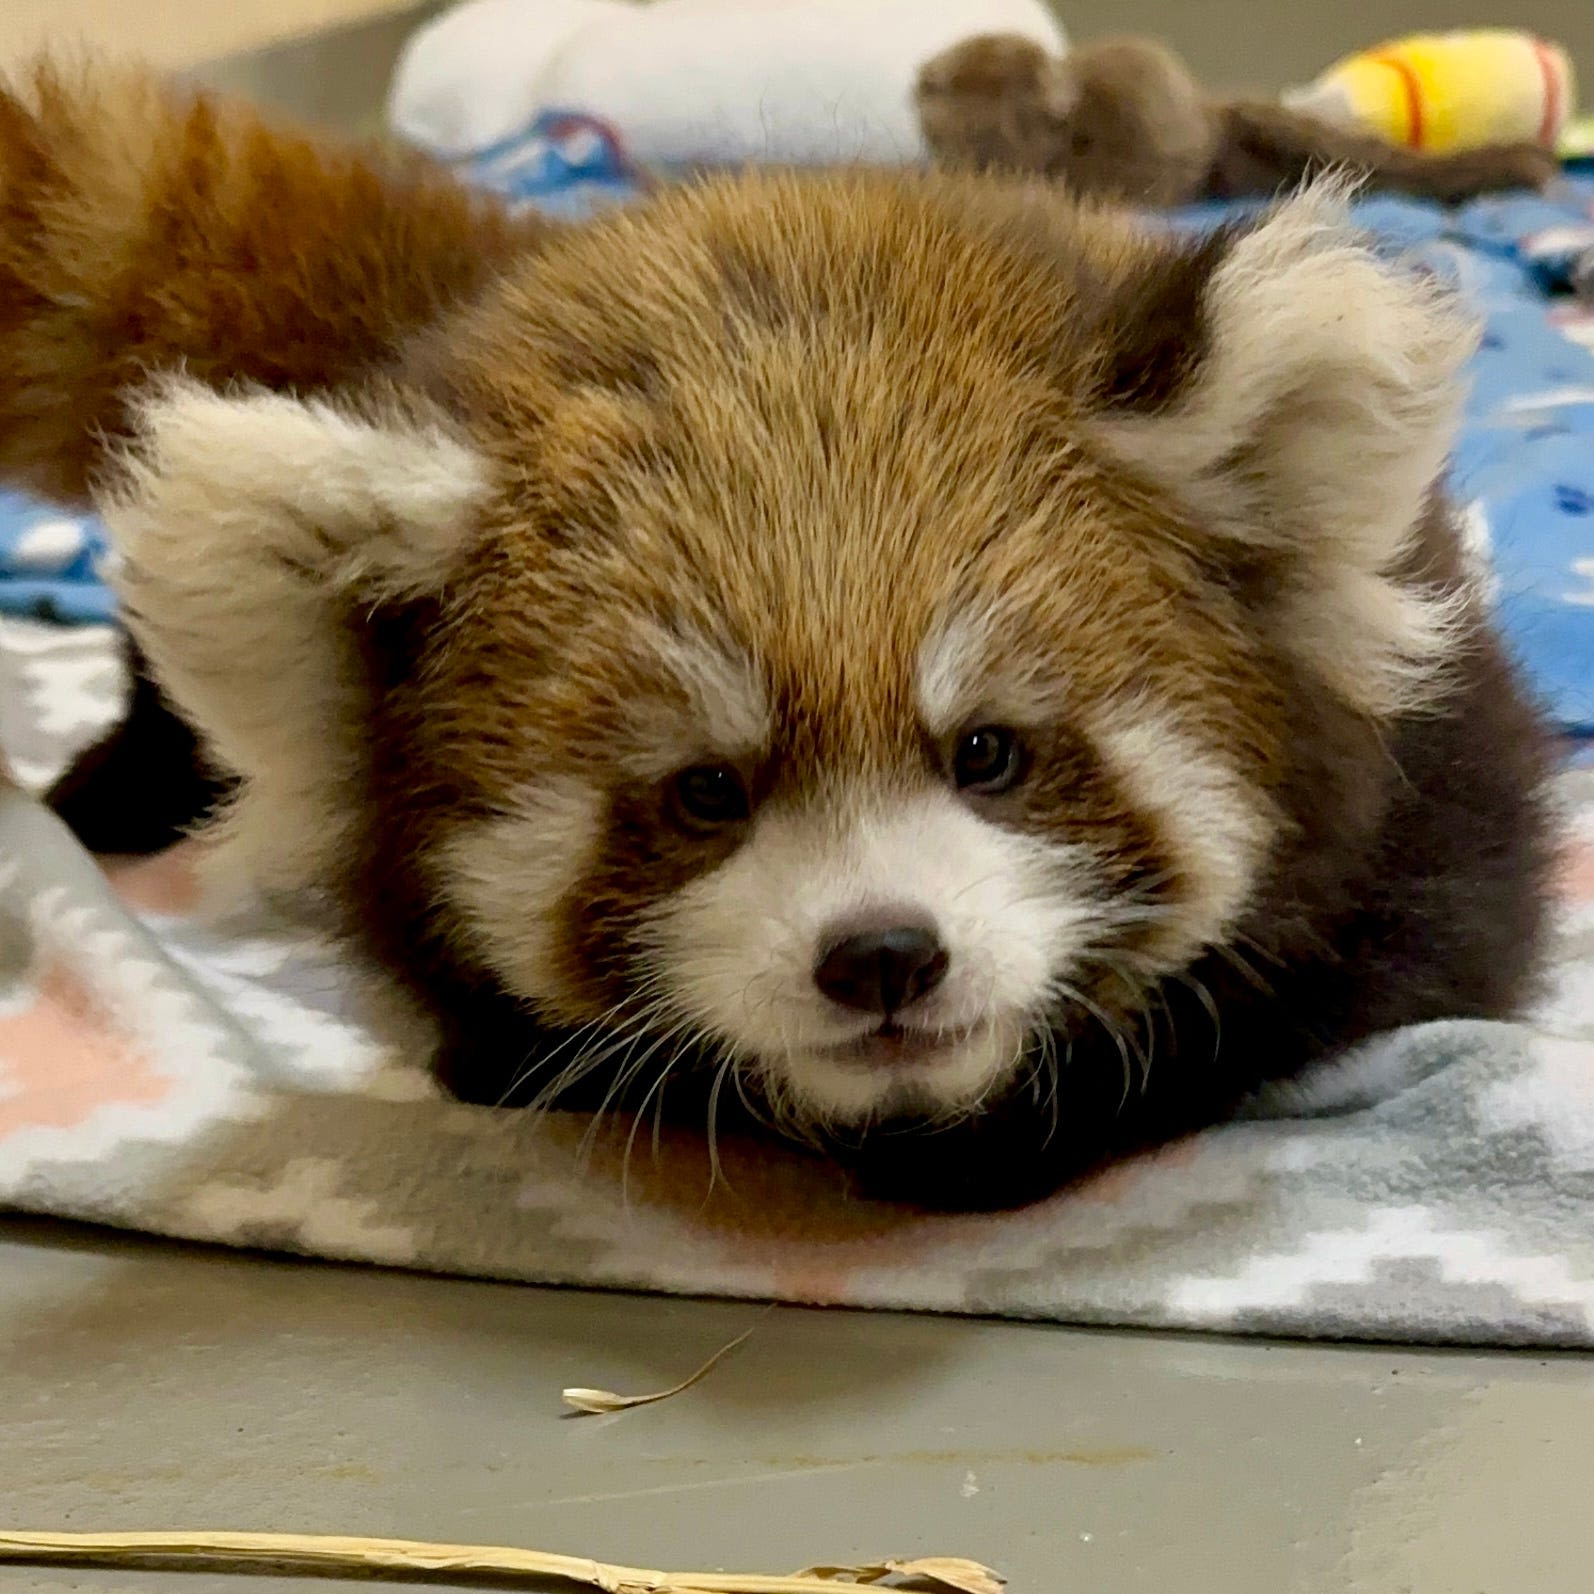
(1449, 91)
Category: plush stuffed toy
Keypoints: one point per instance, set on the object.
(1449, 91)
(693, 82)
(1125, 120)
(1577, 140)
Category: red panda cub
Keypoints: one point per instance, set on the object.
(981, 686)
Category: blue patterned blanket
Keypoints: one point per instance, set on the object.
(1523, 469)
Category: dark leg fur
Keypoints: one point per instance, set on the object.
(144, 785)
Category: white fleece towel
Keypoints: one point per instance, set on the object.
(693, 82)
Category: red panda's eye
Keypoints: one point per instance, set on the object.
(988, 760)
(710, 795)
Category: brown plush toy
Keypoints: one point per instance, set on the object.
(1124, 119)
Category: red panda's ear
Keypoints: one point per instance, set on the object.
(372, 492)
(250, 532)
(1308, 426)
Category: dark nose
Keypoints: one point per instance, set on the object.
(882, 970)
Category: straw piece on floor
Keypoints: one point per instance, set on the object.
(599, 1402)
(333, 1554)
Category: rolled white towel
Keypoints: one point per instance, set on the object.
(803, 82)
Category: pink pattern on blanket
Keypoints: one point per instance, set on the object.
(64, 1059)
(166, 886)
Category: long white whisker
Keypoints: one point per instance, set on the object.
(715, 1171)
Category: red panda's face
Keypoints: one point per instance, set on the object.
(860, 614)
(866, 768)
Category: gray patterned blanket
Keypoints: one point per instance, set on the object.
(172, 1064)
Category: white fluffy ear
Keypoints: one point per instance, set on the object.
(247, 531)
(1315, 426)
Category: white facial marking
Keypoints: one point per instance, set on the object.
(951, 664)
(738, 947)
(956, 682)
(508, 875)
(727, 711)
(1217, 829)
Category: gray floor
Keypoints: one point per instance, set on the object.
(146, 1386)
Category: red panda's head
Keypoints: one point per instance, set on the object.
(844, 625)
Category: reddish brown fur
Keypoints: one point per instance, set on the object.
(791, 290)
(1124, 119)
(144, 227)
(808, 420)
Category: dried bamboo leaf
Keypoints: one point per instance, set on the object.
(599, 1402)
(334, 1554)
(948, 1572)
